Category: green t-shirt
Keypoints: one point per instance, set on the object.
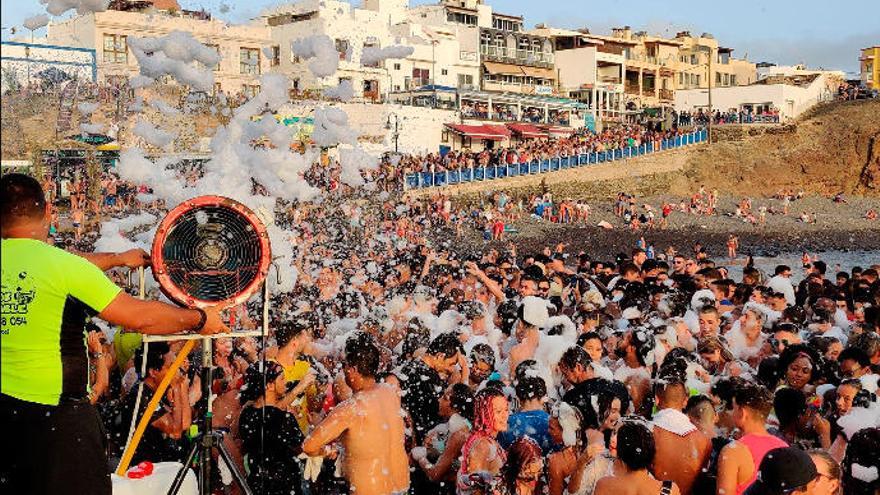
(47, 295)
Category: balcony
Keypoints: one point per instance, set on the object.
(631, 88)
(667, 94)
(516, 57)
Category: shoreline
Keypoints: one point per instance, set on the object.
(838, 227)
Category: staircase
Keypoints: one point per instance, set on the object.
(66, 103)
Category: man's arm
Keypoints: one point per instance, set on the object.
(333, 426)
(158, 318)
(728, 469)
(133, 258)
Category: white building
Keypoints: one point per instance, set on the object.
(790, 97)
(246, 51)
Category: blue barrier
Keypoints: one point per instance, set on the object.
(436, 179)
(412, 181)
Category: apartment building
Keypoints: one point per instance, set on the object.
(246, 51)
(587, 71)
(869, 62)
(694, 55)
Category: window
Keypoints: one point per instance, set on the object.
(216, 48)
(443, 72)
(718, 78)
(116, 48)
(421, 77)
(733, 79)
(461, 18)
(465, 81)
(275, 61)
(249, 61)
(296, 84)
(373, 63)
(342, 49)
(396, 66)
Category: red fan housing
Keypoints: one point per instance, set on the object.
(209, 251)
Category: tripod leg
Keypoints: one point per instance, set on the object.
(181, 474)
(237, 475)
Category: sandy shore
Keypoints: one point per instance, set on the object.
(839, 227)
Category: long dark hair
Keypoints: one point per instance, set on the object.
(523, 451)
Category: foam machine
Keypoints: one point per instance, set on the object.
(208, 251)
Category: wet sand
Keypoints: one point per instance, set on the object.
(838, 227)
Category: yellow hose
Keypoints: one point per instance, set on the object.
(151, 407)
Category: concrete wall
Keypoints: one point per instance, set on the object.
(22, 63)
(576, 67)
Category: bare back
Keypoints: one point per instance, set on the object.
(632, 484)
(375, 456)
(680, 458)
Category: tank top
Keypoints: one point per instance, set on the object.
(758, 446)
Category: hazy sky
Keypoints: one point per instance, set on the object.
(816, 32)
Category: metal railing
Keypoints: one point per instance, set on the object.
(420, 180)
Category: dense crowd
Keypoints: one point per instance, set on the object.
(732, 116)
(400, 362)
(579, 142)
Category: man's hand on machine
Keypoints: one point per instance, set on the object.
(134, 258)
(213, 321)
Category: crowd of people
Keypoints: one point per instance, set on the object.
(404, 361)
(579, 142)
(732, 116)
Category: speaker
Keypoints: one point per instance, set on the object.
(211, 250)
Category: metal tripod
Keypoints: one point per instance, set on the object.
(201, 455)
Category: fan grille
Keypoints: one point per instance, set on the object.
(211, 253)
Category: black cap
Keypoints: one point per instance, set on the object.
(783, 470)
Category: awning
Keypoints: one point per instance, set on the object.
(539, 72)
(478, 131)
(527, 131)
(496, 68)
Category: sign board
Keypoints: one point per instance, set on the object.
(543, 90)
(590, 122)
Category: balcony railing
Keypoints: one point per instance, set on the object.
(666, 94)
(631, 88)
(518, 57)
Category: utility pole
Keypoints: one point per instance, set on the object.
(711, 113)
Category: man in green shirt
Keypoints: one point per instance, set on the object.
(52, 436)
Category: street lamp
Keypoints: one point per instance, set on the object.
(396, 128)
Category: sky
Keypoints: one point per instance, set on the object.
(818, 33)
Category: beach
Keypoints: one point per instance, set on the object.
(838, 227)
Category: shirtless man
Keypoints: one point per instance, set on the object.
(739, 460)
(682, 449)
(369, 425)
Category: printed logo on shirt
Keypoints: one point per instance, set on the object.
(17, 293)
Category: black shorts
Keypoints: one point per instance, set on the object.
(52, 449)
